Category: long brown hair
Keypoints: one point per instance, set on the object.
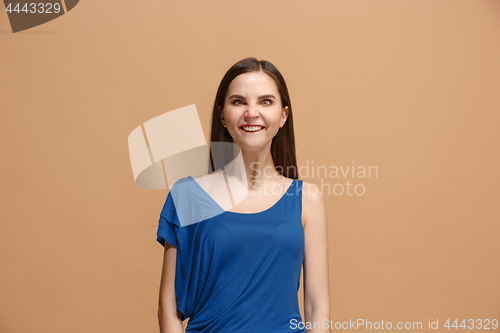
(283, 144)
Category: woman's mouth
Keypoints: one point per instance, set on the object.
(252, 128)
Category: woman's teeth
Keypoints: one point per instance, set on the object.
(252, 128)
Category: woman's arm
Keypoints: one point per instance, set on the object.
(168, 316)
(316, 280)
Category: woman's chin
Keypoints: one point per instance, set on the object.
(254, 147)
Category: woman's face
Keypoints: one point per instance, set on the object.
(252, 111)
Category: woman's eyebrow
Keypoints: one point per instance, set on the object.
(260, 97)
(267, 96)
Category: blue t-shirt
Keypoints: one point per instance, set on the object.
(235, 272)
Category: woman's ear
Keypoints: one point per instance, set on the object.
(221, 115)
(284, 116)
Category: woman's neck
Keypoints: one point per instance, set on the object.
(253, 168)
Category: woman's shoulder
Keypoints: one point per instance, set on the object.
(312, 201)
(311, 191)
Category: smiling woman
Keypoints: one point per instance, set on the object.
(251, 109)
(239, 270)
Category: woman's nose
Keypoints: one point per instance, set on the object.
(252, 111)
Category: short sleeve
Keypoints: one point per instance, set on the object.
(168, 224)
(170, 231)
(166, 233)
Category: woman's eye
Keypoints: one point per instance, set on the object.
(267, 102)
(237, 102)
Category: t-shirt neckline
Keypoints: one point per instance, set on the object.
(237, 213)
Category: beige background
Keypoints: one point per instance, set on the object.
(409, 86)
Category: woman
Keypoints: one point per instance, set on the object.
(239, 270)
